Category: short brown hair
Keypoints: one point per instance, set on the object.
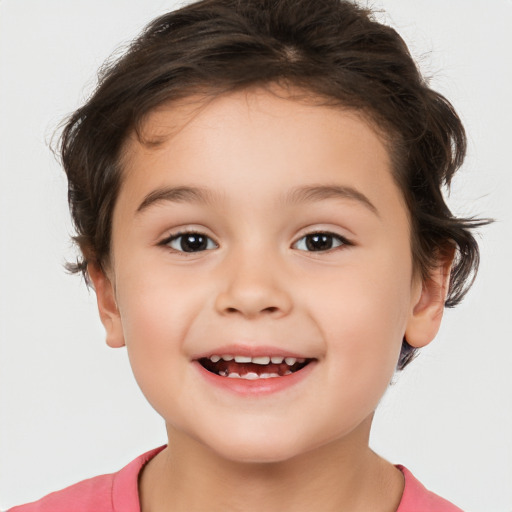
(332, 49)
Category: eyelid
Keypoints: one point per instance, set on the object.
(185, 229)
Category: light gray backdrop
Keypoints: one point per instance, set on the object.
(69, 408)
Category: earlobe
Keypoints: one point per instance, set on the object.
(107, 306)
(428, 306)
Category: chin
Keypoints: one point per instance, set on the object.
(258, 449)
(257, 455)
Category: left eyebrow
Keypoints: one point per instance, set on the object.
(321, 192)
(176, 195)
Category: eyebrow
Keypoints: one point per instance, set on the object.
(297, 195)
(321, 192)
(176, 195)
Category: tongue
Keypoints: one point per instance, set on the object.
(243, 368)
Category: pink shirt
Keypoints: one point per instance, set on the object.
(118, 492)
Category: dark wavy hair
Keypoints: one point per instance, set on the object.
(333, 50)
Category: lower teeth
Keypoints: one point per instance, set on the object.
(252, 375)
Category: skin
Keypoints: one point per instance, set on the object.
(349, 307)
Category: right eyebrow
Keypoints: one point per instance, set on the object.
(175, 195)
(321, 192)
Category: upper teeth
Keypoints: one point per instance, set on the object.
(260, 360)
(290, 361)
(242, 359)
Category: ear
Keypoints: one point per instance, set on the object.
(107, 306)
(428, 305)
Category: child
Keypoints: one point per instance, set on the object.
(256, 190)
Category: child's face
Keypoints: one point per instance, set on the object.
(255, 177)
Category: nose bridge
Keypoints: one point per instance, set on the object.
(253, 282)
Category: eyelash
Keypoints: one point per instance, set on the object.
(342, 241)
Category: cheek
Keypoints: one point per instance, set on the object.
(364, 315)
(156, 318)
(156, 305)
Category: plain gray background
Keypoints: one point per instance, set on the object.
(69, 407)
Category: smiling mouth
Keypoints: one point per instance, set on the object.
(253, 368)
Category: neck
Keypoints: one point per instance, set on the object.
(343, 475)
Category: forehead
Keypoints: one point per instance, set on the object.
(253, 135)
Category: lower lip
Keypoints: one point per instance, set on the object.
(257, 387)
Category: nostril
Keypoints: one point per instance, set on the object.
(270, 309)
(253, 301)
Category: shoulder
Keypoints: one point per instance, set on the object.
(416, 498)
(88, 495)
(104, 493)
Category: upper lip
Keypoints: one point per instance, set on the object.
(249, 351)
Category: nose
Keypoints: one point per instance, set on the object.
(253, 286)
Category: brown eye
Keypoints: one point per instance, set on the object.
(318, 242)
(191, 242)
